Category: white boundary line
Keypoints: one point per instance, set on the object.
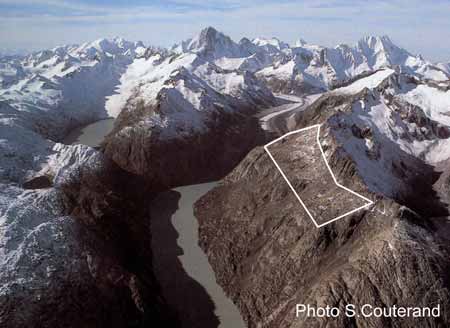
(370, 202)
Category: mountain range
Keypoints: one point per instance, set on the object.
(191, 114)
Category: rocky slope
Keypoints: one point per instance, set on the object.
(381, 141)
(76, 253)
(75, 246)
(74, 228)
(269, 257)
(185, 106)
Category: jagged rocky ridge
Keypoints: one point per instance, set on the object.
(194, 112)
(308, 68)
(187, 100)
(381, 141)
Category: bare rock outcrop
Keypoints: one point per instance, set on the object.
(77, 253)
(188, 159)
(269, 257)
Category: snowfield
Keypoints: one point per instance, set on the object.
(435, 102)
(369, 82)
(67, 85)
(407, 125)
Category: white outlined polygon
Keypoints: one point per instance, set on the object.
(329, 169)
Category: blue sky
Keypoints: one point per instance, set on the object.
(419, 26)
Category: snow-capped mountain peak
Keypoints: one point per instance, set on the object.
(382, 51)
(377, 42)
(271, 43)
(212, 44)
(445, 67)
(114, 46)
(311, 67)
(299, 43)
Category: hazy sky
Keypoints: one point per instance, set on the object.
(419, 26)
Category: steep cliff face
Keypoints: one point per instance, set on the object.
(191, 121)
(76, 251)
(75, 246)
(269, 256)
(112, 205)
(189, 159)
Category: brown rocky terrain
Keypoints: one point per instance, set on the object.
(268, 255)
(291, 86)
(199, 157)
(318, 195)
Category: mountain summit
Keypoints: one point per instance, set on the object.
(307, 67)
(212, 44)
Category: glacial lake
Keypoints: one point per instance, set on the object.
(91, 134)
(182, 267)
